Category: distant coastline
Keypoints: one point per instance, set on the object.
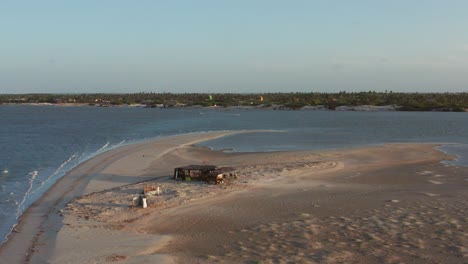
(359, 108)
(342, 101)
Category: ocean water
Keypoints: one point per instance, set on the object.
(460, 151)
(40, 144)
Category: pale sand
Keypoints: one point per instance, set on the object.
(40, 224)
(369, 205)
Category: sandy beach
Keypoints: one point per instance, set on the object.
(395, 203)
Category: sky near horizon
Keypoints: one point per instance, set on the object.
(115, 46)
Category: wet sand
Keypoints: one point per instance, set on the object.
(389, 204)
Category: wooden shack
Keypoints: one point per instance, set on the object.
(207, 173)
(193, 172)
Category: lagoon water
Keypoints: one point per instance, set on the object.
(40, 144)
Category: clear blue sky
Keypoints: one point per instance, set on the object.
(233, 46)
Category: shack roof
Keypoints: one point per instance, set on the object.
(224, 169)
(198, 167)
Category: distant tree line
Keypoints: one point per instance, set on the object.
(405, 101)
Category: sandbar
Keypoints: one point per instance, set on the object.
(395, 203)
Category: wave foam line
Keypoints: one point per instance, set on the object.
(59, 169)
(103, 147)
(32, 176)
(119, 144)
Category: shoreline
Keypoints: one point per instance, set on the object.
(45, 228)
(343, 108)
(132, 143)
(45, 209)
(268, 106)
(347, 108)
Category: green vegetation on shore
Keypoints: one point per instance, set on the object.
(404, 101)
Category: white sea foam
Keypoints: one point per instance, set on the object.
(103, 147)
(32, 176)
(59, 169)
(119, 144)
(80, 157)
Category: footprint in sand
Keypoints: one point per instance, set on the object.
(435, 182)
